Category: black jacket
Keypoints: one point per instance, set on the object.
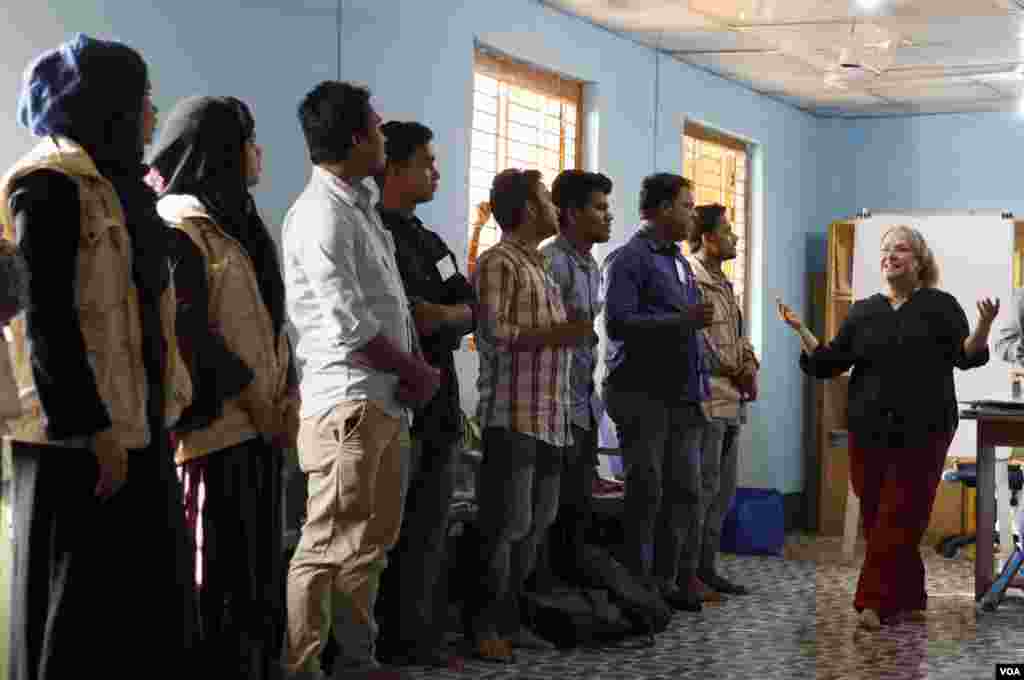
(422, 257)
(901, 388)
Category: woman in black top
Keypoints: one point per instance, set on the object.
(902, 345)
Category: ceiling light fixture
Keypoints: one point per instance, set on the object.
(870, 5)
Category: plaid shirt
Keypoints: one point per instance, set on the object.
(579, 278)
(526, 391)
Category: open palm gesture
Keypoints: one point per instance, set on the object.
(987, 311)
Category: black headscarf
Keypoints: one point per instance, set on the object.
(201, 153)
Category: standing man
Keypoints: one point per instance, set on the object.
(654, 388)
(584, 219)
(524, 341)
(443, 304)
(733, 382)
(361, 370)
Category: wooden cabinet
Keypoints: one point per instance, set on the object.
(834, 468)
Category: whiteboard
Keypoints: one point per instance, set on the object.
(974, 254)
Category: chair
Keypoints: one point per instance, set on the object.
(1009, 482)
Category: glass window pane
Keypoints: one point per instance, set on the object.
(483, 160)
(485, 84)
(524, 97)
(485, 122)
(484, 102)
(711, 151)
(523, 153)
(550, 140)
(522, 133)
(477, 195)
(524, 116)
(485, 141)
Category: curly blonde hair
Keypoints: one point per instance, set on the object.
(928, 272)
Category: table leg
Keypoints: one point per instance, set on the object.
(985, 512)
(1003, 507)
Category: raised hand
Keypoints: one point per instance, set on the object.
(987, 311)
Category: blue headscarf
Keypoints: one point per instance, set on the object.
(90, 91)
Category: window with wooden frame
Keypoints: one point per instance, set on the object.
(718, 164)
(523, 117)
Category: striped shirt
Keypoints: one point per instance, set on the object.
(526, 391)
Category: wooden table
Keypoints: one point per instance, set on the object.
(995, 428)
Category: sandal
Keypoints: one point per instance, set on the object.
(495, 650)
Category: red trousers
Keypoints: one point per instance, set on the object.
(897, 488)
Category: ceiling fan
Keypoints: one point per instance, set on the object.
(850, 66)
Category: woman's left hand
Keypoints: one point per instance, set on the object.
(987, 311)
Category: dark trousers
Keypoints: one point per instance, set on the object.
(517, 493)
(567, 535)
(719, 465)
(897, 488)
(99, 587)
(240, 600)
(411, 607)
(661, 444)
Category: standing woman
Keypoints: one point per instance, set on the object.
(231, 331)
(101, 548)
(903, 345)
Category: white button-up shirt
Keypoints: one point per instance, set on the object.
(343, 289)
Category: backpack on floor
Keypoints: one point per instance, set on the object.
(570, 617)
(641, 604)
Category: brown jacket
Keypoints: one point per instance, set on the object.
(107, 305)
(236, 309)
(732, 353)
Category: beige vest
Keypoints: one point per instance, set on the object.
(236, 307)
(734, 352)
(107, 303)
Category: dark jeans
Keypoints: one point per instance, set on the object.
(407, 612)
(517, 494)
(718, 471)
(241, 602)
(94, 582)
(568, 534)
(661, 445)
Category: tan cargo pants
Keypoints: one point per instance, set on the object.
(355, 457)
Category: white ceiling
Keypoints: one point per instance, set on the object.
(839, 57)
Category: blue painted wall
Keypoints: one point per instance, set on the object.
(418, 58)
(942, 162)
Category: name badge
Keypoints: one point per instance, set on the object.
(445, 268)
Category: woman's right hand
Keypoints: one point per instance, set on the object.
(788, 316)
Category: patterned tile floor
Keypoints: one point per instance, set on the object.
(799, 623)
